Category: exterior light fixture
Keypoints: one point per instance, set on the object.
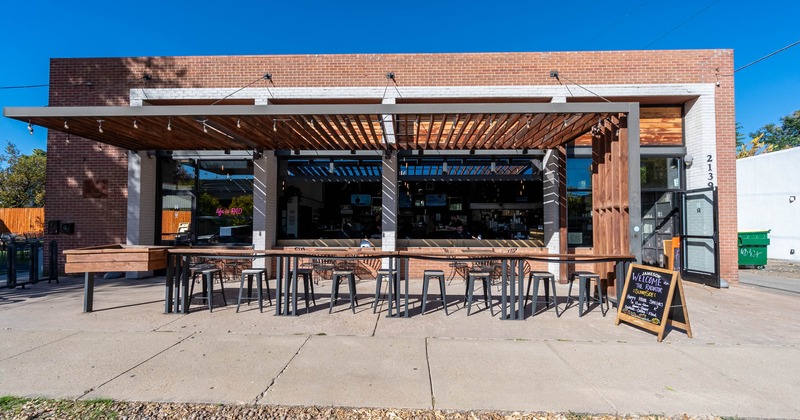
(331, 167)
(136, 124)
(238, 123)
(205, 127)
(444, 168)
(66, 126)
(274, 125)
(493, 167)
(30, 127)
(100, 126)
(169, 124)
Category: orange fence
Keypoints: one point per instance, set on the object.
(22, 220)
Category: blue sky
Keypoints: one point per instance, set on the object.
(35, 31)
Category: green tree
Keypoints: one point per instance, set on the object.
(785, 136)
(22, 177)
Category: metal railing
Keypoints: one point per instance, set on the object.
(22, 261)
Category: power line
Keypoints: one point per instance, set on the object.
(682, 23)
(768, 56)
(621, 19)
(22, 87)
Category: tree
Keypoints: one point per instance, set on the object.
(22, 177)
(785, 136)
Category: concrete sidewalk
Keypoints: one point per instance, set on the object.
(742, 361)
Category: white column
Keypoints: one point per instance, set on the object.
(141, 203)
(552, 226)
(265, 199)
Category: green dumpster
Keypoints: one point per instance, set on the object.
(753, 247)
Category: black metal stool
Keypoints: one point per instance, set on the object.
(486, 277)
(208, 286)
(338, 275)
(259, 274)
(308, 284)
(534, 277)
(584, 277)
(391, 275)
(426, 277)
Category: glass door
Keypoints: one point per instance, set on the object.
(206, 202)
(700, 239)
(178, 179)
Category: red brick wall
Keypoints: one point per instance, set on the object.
(726, 172)
(107, 81)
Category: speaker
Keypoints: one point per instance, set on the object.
(68, 228)
(53, 227)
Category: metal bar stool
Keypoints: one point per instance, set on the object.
(391, 275)
(208, 287)
(426, 277)
(486, 278)
(308, 284)
(545, 276)
(338, 275)
(584, 277)
(259, 274)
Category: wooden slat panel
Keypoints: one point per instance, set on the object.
(22, 220)
(658, 126)
(103, 267)
(108, 257)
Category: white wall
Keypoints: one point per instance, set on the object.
(769, 199)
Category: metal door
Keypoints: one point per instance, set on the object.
(699, 254)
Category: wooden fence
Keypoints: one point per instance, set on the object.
(22, 220)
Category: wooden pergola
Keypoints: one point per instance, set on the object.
(391, 128)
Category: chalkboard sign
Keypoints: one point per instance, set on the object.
(652, 299)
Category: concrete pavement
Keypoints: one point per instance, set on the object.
(742, 360)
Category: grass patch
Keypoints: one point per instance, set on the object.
(63, 409)
(9, 403)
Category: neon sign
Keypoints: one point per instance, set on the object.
(235, 211)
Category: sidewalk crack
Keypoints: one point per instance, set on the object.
(136, 365)
(430, 377)
(264, 393)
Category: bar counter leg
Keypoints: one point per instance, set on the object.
(503, 291)
(183, 294)
(393, 283)
(169, 284)
(408, 276)
(88, 292)
(520, 284)
(278, 284)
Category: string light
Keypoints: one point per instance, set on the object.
(30, 127)
(169, 124)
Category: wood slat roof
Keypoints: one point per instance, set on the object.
(326, 127)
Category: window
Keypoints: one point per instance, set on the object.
(579, 202)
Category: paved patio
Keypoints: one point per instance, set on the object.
(742, 361)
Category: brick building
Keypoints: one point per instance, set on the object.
(294, 150)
